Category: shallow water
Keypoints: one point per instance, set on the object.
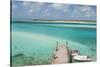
(38, 41)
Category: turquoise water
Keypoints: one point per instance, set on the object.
(38, 41)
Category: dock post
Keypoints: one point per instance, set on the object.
(57, 43)
(57, 46)
(66, 43)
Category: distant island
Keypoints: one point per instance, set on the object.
(65, 20)
(56, 21)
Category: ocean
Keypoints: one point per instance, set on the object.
(35, 43)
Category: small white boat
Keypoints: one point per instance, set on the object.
(81, 58)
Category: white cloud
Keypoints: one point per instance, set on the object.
(32, 6)
(90, 14)
(76, 14)
(14, 6)
(87, 11)
(61, 7)
(25, 3)
(85, 8)
(46, 13)
(65, 10)
(31, 10)
(57, 6)
(83, 11)
(40, 3)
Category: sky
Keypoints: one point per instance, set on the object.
(52, 11)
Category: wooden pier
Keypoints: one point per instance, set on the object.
(61, 54)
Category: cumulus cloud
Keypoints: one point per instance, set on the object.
(26, 4)
(85, 8)
(83, 11)
(14, 6)
(61, 7)
(47, 13)
(31, 10)
(54, 10)
(57, 6)
(88, 12)
(32, 6)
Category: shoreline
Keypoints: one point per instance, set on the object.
(58, 22)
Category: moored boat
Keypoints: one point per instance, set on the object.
(80, 58)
